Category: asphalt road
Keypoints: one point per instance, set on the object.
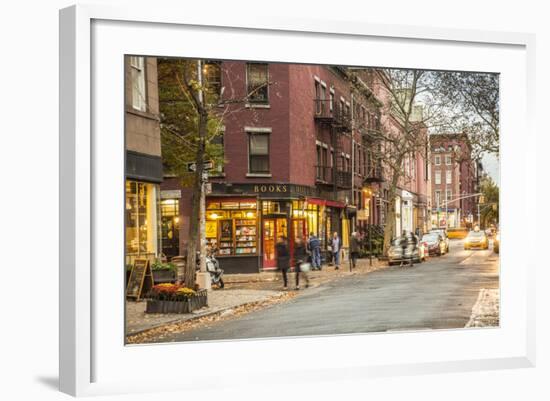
(437, 294)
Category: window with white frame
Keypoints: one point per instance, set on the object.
(258, 152)
(438, 177)
(137, 68)
(437, 160)
(257, 82)
(448, 160)
(449, 177)
(449, 194)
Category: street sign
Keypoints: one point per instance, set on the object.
(192, 167)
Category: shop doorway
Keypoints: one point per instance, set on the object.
(272, 231)
(170, 227)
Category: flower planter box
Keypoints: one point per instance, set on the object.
(187, 305)
(164, 276)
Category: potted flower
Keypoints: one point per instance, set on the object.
(163, 272)
(175, 298)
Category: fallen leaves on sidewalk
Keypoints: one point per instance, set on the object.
(485, 312)
(159, 333)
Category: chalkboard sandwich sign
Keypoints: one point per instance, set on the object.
(141, 279)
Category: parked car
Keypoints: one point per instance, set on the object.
(496, 243)
(435, 242)
(443, 233)
(396, 254)
(476, 240)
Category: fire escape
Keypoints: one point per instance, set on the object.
(333, 116)
(371, 139)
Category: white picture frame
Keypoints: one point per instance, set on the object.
(93, 358)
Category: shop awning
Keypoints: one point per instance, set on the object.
(325, 202)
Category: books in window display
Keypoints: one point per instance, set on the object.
(245, 251)
(226, 247)
(245, 230)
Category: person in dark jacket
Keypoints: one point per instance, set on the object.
(354, 248)
(283, 258)
(300, 256)
(314, 246)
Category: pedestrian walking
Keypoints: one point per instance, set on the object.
(354, 248)
(314, 246)
(300, 257)
(336, 248)
(283, 258)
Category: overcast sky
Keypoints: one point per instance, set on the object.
(491, 166)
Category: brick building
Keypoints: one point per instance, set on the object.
(413, 197)
(455, 176)
(298, 159)
(143, 158)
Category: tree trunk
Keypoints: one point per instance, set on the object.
(194, 224)
(389, 228)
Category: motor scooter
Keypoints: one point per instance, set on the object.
(212, 267)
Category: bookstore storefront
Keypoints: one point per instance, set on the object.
(246, 227)
(232, 227)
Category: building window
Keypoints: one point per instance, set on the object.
(219, 148)
(258, 153)
(269, 207)
(438, 177)
(331, 100)
(213, 76)
(449, 194)
(137, 66)
(257, 82)
(449, 177)
(437, 198)
(437, 160)
(141, 219)
(448, 160)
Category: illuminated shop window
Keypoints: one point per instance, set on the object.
(141, 218)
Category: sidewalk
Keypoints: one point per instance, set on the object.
(274, 280)
(138, 321)
(241, 290)
(485, 312)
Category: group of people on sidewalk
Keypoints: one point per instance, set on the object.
(303, 252)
